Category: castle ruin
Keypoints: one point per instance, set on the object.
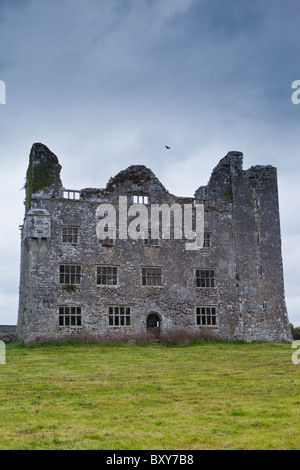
(73, 282)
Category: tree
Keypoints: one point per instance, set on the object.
(295, 331)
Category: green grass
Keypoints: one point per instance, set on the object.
(212, 395)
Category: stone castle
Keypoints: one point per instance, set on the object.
(73, 282)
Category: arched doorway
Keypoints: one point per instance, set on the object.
(153, 324)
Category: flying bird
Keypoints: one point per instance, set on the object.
(167, 147)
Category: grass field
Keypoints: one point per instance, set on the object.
(212, 395)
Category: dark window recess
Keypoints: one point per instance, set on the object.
(207, 240)
(151, 276)
(69, 274)
(205, 278)
(119, 316)
(70, 234)
(69, 316)
(107, 276)
(206, 316)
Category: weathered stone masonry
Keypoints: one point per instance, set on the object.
(72, 282)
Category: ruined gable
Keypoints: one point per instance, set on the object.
(43, 174)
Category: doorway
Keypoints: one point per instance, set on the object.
(153, 324)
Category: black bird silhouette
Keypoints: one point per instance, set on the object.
(167, 147)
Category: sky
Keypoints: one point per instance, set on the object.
(108, 83)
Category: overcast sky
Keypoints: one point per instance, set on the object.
(108, 83)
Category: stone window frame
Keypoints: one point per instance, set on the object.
(146, 276)
(68, 314)
(207, 239)
(140, 199)
(108, 242)
(71, 194)
(206, 315)
(119, 316)
(152, 242)
(208, 279)
(72, 275)
(71, 237)
(112, 274)
(261, 270)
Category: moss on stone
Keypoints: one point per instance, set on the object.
(136, 174)
(70, 287)
(41, 172)
(228, 193)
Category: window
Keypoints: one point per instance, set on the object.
(108, 242)
(69, 234)
(151, 276)
(207, 240)
(205, 278)
(119, 316)
(261, 270)
(107, 276)
(69, 316)
(151, 241)
(196, 202)
(71, 194)
(206, 316)
(140, 199)
(69, 274)
(34, 243)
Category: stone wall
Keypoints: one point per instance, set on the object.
(8, 333)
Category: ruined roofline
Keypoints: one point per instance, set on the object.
(232, 164)
(43, 176)
(234, 159)
(136, 174)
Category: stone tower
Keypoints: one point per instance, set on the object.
(73, 282)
